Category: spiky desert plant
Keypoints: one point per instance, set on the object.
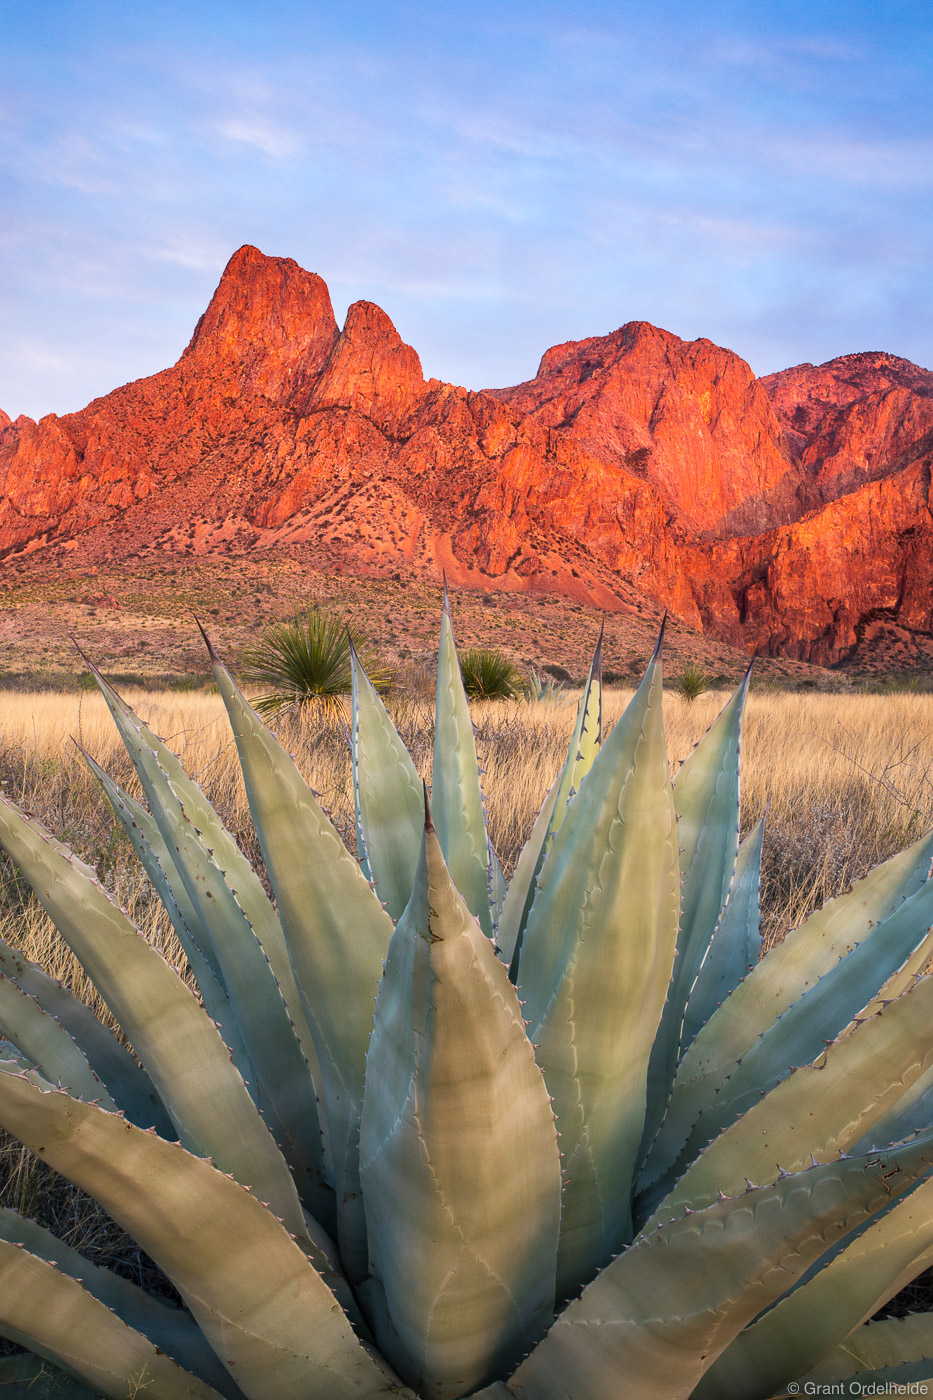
(489, 674)
(306, 661)
(692, 682)
(543, 690)
(420, 1135)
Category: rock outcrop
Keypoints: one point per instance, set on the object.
(781, 514)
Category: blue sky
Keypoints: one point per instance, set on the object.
(498, 177)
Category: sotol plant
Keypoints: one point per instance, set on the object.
(380, 1151)
(306, 661)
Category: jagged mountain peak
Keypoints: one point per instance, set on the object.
(270, 325)
(778, 514)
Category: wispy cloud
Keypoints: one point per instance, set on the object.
(500, 179)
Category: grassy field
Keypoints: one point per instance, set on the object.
(847, 780)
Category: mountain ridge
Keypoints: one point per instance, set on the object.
(780, 514)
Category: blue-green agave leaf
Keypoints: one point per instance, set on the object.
(821, 1014)
(898, 1349)
(594, 971)
(156, 858)
(736, 943)
(456, 796)
(816, 1318)
(55, 1316)
(772, 987)
(658, 1316)
(387, 795)
(47, 1045)
(177, 1042)
(706, 800)
(821, 1109)
(167, 1326)
(160, 771)
(338, 935)
(584, 746)
(124, 1079)
(266, 1311)
(459, 1158)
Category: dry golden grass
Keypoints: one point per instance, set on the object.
(847, 780)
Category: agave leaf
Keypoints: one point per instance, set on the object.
(180, 1046)
(388, 796)
(819, 1110)
(268, 1314)
(338, 935)
(594, 971)
(126, 1081)
(520, 893)
(170, 1328)
(911, 1113)
(735, 945)
(706, 800)
(20, 1066)
(55, 1314)
(463, 1228)
(285, 1082)
(798, 1331)
(584, 742)
(46, 1043)
(774, 984)
(11, 1054)
(156, 859)
(913, 966)
(456, 796)
(498, 887)
(825, 1011)
(155, 763)
(291, 1113)
(878, 1346)
(660, 1313)
(584, 746)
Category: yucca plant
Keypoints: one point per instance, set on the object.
(306, 661)
(420, 1135)
(692, 682)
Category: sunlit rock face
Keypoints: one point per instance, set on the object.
(783, 514)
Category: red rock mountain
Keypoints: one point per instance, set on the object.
(786, 514)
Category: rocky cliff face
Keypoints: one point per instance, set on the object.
(686, 416)
(782, 514)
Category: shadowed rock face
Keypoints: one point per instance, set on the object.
(780, 514)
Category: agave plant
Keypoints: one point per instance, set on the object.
(543, 689)
(420, 1135)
